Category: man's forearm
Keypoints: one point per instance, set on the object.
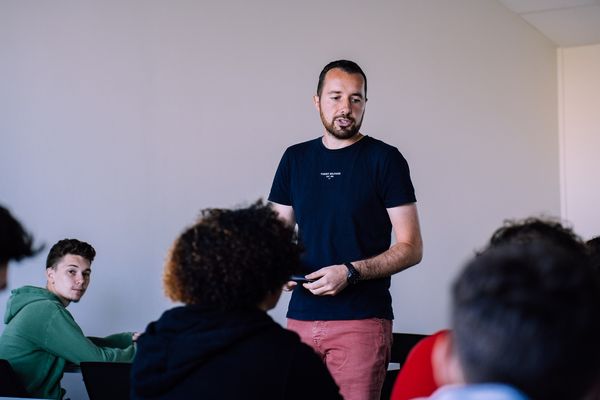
(331, 280)
(398, 257)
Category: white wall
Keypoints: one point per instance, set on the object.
(120, 120)
(579, 106)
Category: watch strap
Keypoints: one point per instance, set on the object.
(353, 274)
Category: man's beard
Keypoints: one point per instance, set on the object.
(344, 133)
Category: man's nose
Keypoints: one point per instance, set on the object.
(346, 106)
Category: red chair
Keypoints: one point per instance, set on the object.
(415, 378)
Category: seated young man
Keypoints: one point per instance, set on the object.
(41, 336)
(524, 326)
(229, 269)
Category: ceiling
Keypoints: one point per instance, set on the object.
(566, 22)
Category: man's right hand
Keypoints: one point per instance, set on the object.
(328, 281)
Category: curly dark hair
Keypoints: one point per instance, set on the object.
(231, 259)
(534, 229)
(69, 246)
(15, 242)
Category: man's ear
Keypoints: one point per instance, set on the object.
(446, 365)
(316, 100)
(50, 273)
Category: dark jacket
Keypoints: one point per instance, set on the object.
(191, 352)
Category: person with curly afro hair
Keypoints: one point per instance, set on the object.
(228, 270)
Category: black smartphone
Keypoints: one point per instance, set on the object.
(300, 279)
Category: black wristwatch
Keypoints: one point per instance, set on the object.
(353, 274)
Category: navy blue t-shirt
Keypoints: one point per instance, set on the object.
(339, 199)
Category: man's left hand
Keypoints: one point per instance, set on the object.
(328, 281)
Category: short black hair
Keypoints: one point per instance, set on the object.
(69, 246)
(527, 315)
(345, 65)
(232, 259)
(534, 229)
(593, 246)
(15, 242)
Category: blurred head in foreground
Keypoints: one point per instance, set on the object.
(15, 243)
(525, 313)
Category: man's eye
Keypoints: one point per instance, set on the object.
(357, 100)
(335, 98)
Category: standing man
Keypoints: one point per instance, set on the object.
(347, 192)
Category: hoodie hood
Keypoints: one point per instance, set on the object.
(19, 298)
(184, 339)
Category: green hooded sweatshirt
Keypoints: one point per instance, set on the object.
(41, 336)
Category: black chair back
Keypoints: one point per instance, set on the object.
(106, 380)
(402, 345)
(10, 384)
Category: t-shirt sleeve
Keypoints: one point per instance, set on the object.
(280, 189)
(396, 186)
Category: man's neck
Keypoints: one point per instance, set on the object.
(65, 302)
(333, 143)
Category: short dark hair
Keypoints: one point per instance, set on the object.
(231, 259)
(15, 242)
(593, 246)
(345, 65)
(527, 315)
(534, 229)
(69, 246)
